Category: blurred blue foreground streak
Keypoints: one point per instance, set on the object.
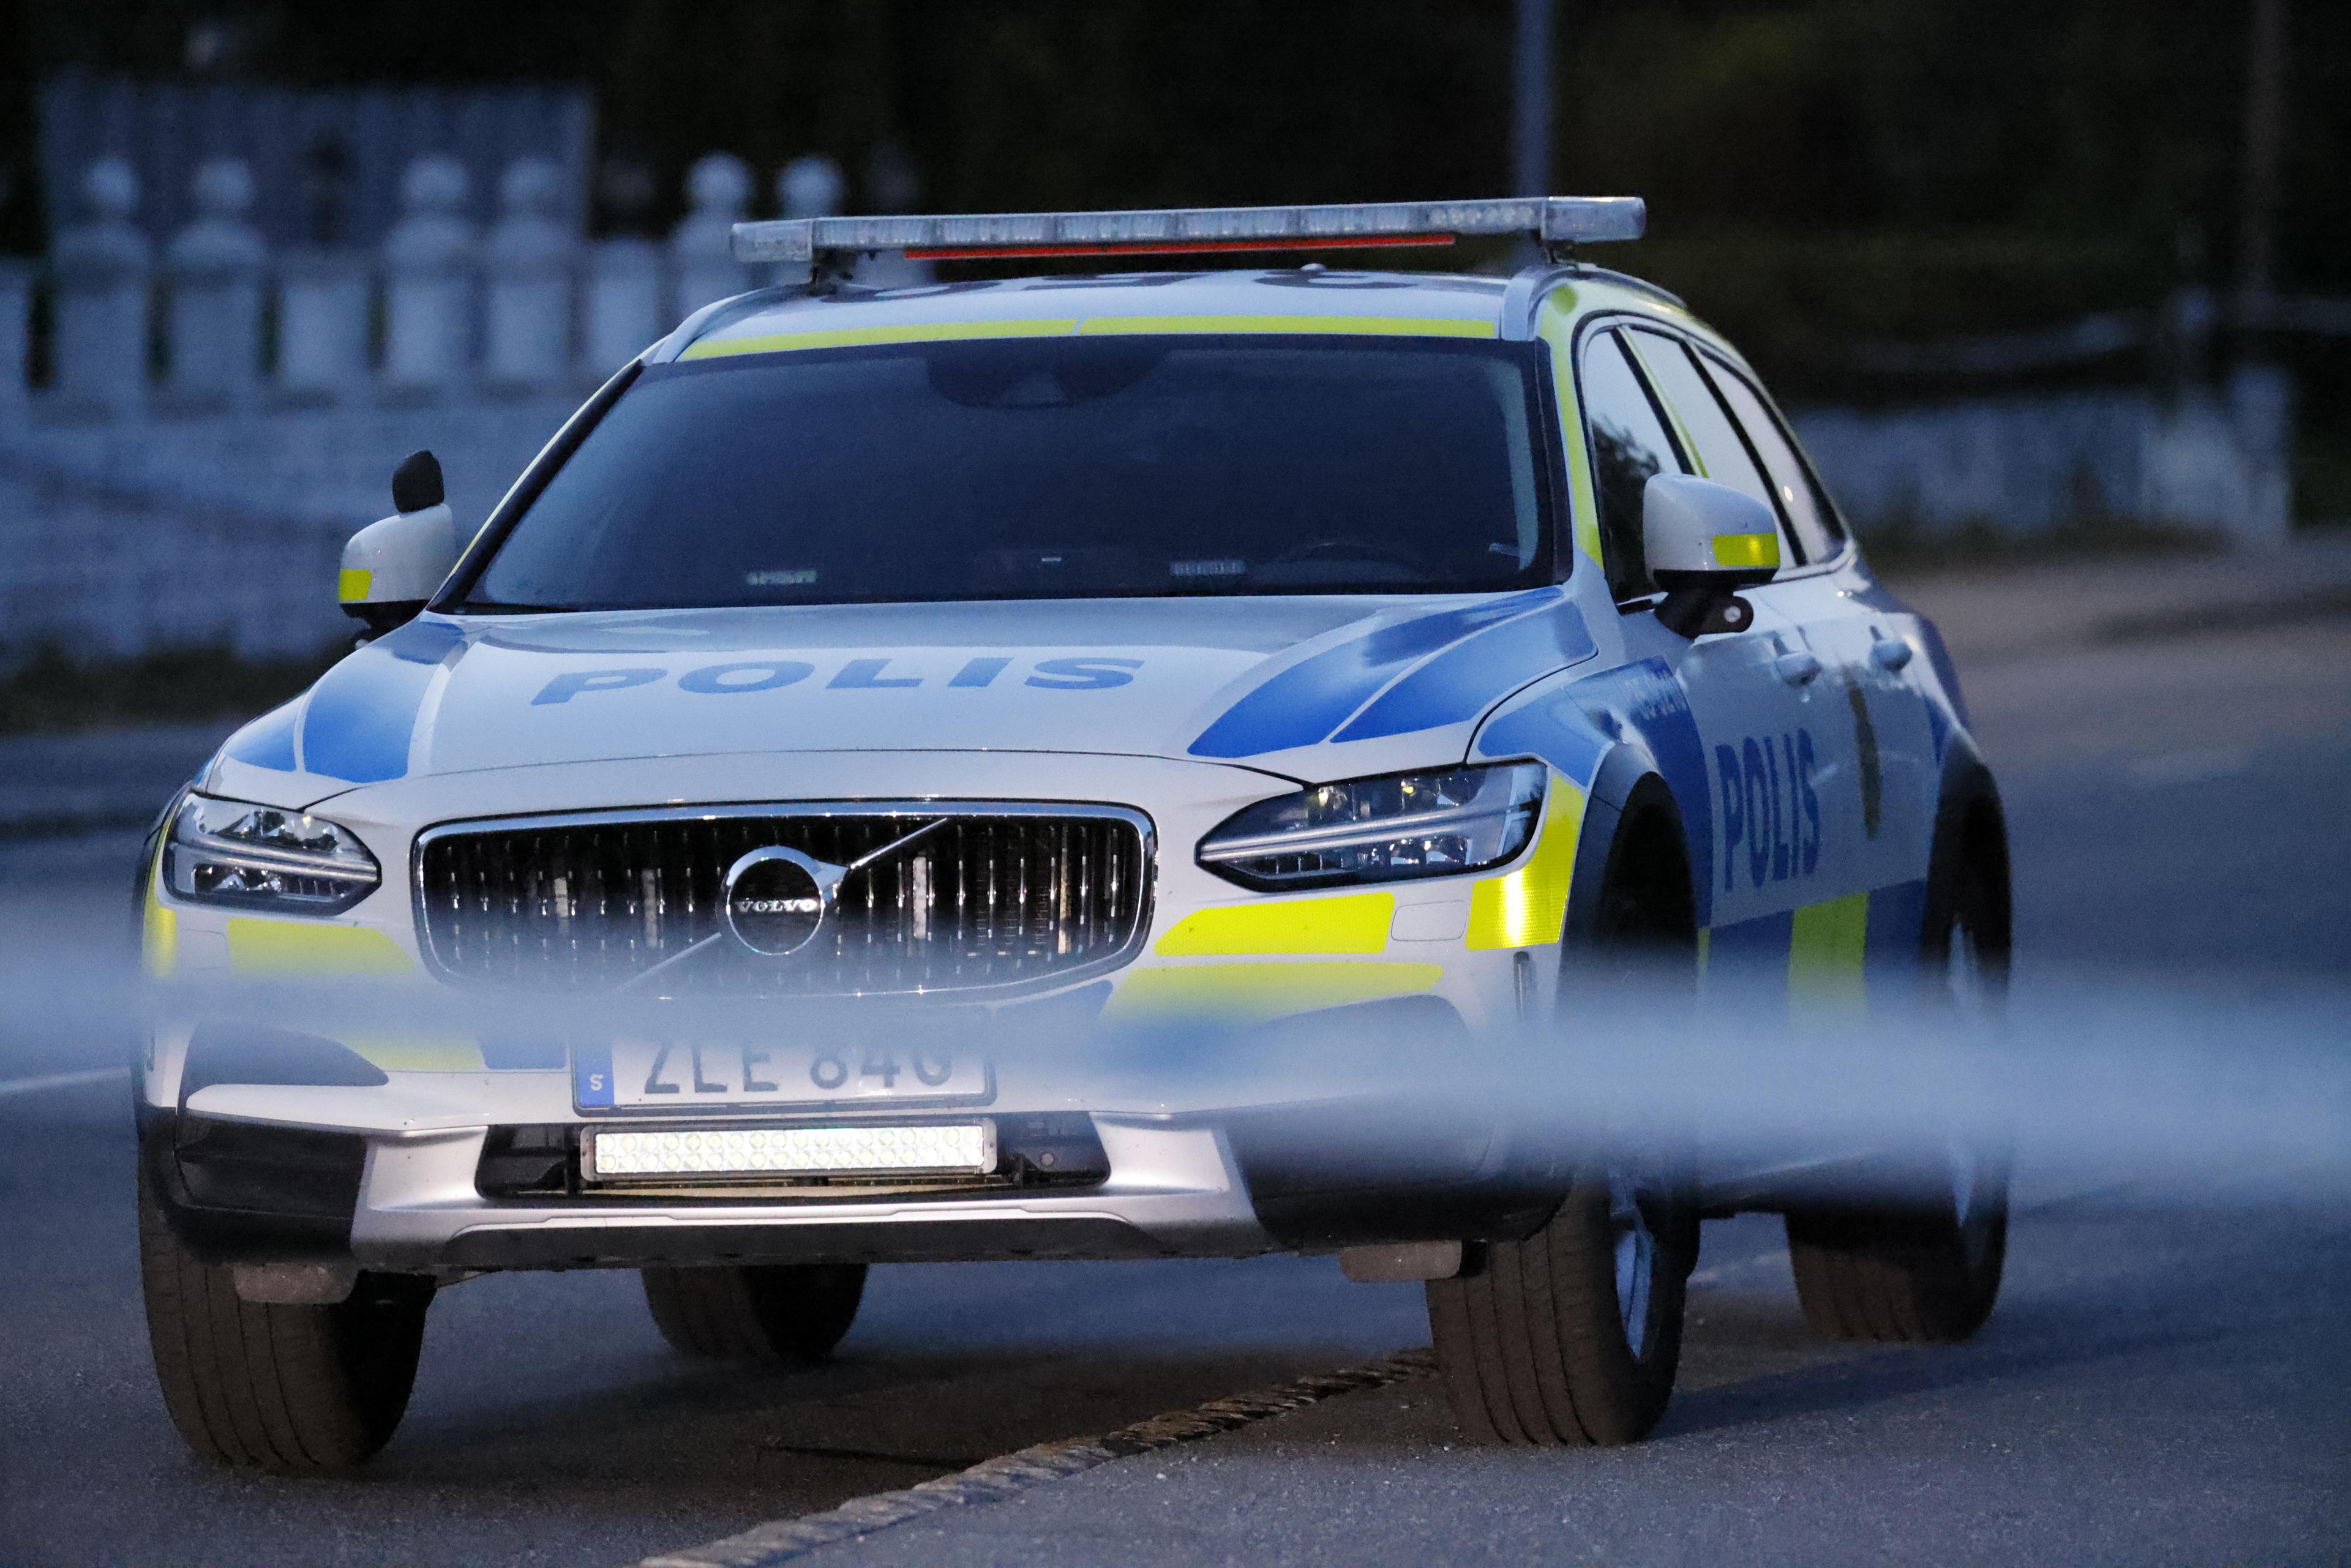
(2163, 1090)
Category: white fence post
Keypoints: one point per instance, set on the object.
(322, 325)
(429, 260)
(702, 244)
(215, 267)
(811, 186)
(624, 303)
(102, 273)
(528, 266)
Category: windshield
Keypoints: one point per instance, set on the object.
(1026, 468)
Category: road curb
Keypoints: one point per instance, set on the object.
(991, 1479)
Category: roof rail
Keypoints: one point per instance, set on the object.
(1554, 221)
(1629, 281)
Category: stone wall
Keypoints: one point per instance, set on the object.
(219, 414)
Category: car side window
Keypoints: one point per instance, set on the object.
(1717, 450)
(1800, 498)
(1628, 444)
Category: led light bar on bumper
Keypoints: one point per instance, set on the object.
(1175, 230)
(262, 857)
(686, 1153)
(1439, 823)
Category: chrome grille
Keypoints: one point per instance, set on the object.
(993, 896)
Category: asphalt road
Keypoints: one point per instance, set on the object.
(2160, 1383)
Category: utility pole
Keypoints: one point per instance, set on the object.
(2257, 190)
(2260, 393)
(1530, 122)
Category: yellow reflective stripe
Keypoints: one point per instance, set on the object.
(1228, 992)
(300, 947)
(1825, 949)
(945, 332)
(1558, 328)
(159, 928)
(352, 586)
(1747, 549)
(1357, 923)
(1526, 907)
(419, 1052)
(862, 337)
(1384, 325)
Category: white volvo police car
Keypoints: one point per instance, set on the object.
(1396, 651)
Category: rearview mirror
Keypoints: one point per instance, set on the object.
(1704, 541)
(393, 565)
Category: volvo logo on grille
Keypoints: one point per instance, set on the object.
(776, 899)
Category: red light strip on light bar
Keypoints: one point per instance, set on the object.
(1178, 247)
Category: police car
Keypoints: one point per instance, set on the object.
(1287, 643)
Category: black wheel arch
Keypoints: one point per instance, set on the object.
(1628, 811)
(1971, 833)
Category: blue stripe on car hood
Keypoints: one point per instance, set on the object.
(1303, 704)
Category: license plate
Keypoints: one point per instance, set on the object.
(688, 1075)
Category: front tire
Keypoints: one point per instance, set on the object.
(773, 1313)
(1574, 1335)
(290, 1391)
(1926, 1271)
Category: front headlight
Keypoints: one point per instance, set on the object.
(261, 857)
(1380, 830)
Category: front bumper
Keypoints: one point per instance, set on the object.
(1312, 1133)
(1235, 1148)
(1299, 1177)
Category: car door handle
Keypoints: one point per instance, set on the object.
(1797, 669)
(1890, 655)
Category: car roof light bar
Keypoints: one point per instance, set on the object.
(1179, 231)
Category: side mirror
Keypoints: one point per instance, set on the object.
(392, 565)
(1706, 542)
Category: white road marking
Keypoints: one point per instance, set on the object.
(786, 1539)
(60, 1081)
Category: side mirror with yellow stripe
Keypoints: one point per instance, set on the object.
(1706, 542)
(393, 565)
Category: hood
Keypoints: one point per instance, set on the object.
(1252, 679)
